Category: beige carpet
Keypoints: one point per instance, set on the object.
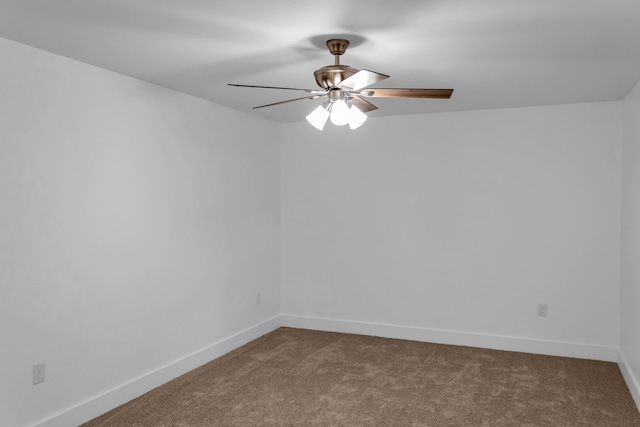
(295, 377)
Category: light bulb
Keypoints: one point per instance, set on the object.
(339, 113)
(356, 117)
(318, 117)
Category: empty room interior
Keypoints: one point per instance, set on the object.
(152, 220)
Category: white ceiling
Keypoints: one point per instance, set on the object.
(494, 53)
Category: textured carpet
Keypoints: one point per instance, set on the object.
(295, 377)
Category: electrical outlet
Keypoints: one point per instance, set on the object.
(258, 298)
(38, 373)
(542, 310)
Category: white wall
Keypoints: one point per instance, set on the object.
(137, 225)
(458, 224)
(630, 288)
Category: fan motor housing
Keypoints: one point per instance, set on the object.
(331, 75)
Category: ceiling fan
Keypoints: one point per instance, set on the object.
(346, 88)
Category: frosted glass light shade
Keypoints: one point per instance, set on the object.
(318, 117)
(356, 117)
(339, 113)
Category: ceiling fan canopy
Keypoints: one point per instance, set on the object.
(345, 87)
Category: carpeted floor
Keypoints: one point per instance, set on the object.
(295, 377)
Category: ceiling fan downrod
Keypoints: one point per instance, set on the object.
(330, 76)
(337, 47)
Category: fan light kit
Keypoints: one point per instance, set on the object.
(346, 88)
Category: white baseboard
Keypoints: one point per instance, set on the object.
(630, 378)
(104, 402)
(108, 400)
(497, 342)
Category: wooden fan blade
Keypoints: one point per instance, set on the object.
(364, 105)
(277, 87)
(407, 93)
(289, 100)
(362, 79)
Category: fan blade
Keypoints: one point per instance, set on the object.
(407, 93)
(278, 87)
(364, 105)
(290, 100)
(362, 79)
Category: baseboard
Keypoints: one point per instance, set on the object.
(104, 402)
(630, 378)
(497, 342)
